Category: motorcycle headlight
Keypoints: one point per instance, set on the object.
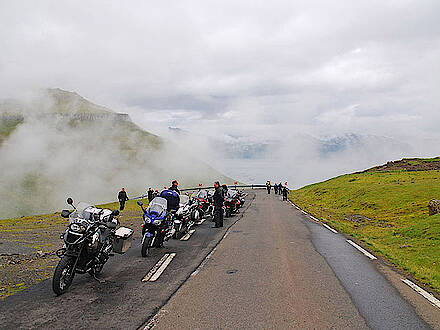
(77, 228)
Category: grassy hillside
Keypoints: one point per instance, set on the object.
(385, 208)
(7, 127)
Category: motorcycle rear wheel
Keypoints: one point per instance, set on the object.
(178, 234)
(146, 245)
(63, 275)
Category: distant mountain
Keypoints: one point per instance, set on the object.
(65, 145)
(356, 141)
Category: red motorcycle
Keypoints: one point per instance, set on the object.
(232, 202)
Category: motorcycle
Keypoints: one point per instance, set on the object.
(205, 202)
(89, 241)
(185, 216)
(232, 202)
(196, 210)
(157, 225)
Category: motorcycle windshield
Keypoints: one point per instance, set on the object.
(202, 194)
(184, 199)
(158, 205)
(232, 193)
(80, 212)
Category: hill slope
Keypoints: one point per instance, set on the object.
(387, 211)
(53, 153)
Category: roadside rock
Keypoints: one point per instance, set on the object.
(434, 206)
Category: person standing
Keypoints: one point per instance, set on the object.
(218, 198)
(268, 186)
(285, 193)
(280, 189)
(275, 188)
(150, 194)
(122, 196)
(225, 190)
(175, 186)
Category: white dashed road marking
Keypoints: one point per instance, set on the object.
(188, 235)
(433, 300)
(159, 268)
(365, 252)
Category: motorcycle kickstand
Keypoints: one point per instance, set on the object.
(98, 279)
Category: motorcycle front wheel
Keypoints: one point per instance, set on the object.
(146, 245)
(63, 275)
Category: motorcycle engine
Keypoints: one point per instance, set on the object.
(94, 243)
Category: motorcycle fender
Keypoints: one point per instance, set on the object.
(146, 235)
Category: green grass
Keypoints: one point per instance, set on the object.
(7, 127)
(396, 223)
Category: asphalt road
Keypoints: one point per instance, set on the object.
(276, 269)
(123, 301)
(273, 269)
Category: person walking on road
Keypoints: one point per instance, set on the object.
(150, 194)
(268, 186)
(275, 188)
(218, 198)
(122, 197)
(174, 186)
(285, 193)
(280, 188)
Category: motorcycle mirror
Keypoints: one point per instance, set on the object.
(65, 213)
(140, 203)
(70, 201)
(115, 213)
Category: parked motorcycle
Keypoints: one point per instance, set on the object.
(205, 202)
(232, 202)
(183, 219)
(90, 239)
(196, 210)
(157, 224)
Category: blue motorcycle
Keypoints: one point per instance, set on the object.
(157, 224)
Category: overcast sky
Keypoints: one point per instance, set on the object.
(255, 68)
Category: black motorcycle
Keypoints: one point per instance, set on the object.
(90, 239)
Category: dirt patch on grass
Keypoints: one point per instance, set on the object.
(410, 164)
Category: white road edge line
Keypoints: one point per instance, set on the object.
(365, 252)
(329, 228)
(433, 300)
(317, 220)
(188, 235)
(162, 267)
(154, 269)
(311, 216)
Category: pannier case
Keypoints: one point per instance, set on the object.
(122, 242)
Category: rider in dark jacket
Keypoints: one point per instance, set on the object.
(174, 186)
(218, 198)
(122, 197)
